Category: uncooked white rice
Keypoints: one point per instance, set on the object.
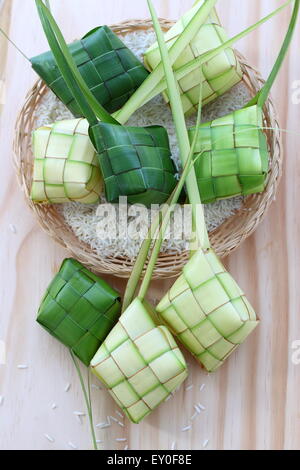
(73, 446)
(78, 413)
(205, 443)
(119, 414)
(83, 218)
(186, 428)
(13, 229)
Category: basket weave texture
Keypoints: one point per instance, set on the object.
(225, 239)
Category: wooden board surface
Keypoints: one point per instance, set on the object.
(253, 401)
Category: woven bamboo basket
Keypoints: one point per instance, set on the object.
(225, 239)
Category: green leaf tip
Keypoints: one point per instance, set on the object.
(90, 107)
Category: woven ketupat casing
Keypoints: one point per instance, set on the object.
(218, 74)
(135, 162)
(139, 363)
(234, 159)
(207, 310)
(111, 71)
(79, 309)
(65, 164)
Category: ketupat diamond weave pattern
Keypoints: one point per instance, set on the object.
(207, 310)
(135, 162)
(235, 156)
(139, 363)
(111, 71)
(65, 164)
(79, 309)
(218, 75)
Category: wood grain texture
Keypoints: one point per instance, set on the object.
(253, 401)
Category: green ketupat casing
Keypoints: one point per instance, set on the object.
(79, 309)
(135, 162)
(207, 311)
(139, 362)
(65, 164)
(111, 71)
(218, 75)
(234, 156)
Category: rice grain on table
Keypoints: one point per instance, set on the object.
(83, 219)
(202, 407)
(186, 428)
(73, 446)
(67, 387)
(205, 443)
(49, 438)
(119, 414)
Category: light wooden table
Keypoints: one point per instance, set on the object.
(253, 401)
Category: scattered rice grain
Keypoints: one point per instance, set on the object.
(190, 387)
(22, 366)
(121, 424)
(202, 387)
(186, 428)
(49, 438)
(173, 446)
(1, 400)
(53, 406)
(205, 443)
(119, 414)
(73, 446)
(196, 407)
(67, 387)
(79, 413)
(103, 425)
(121, 439)
(12, 228)
(202, 407)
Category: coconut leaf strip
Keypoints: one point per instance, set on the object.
(90, 107)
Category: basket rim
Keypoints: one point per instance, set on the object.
(168, 264)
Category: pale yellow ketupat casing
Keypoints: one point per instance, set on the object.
(139, 362)
(207, 310)
(218, 75)
(65, 164)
